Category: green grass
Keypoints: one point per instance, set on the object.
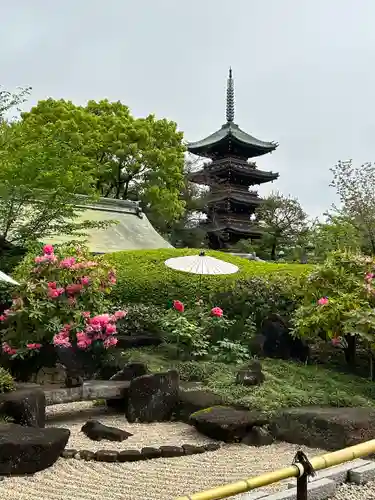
(287, 384)
(142, 275)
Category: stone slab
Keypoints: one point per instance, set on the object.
(338, 473)
(320, 489)
(362, 474)
(89, 391)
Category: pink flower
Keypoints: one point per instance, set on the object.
(52, 293)
(323, 301)
(48, 250)
(216, 311)
(101, 320)
(83, 340)
(52, 284)
(73, 289)
(61, 340)
(50, 258)
(3, 317)
(110, 342)
(38, 260)
(8, 350)
(86, 314)
(68, 262)
(178, 306)
(33, 346)
(85, 281)
(120, 314)
(110, 329)
(369, 276)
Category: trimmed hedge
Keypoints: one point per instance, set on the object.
(142, 276)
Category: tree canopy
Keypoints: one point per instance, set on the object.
(132, 158)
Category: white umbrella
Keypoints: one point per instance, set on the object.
(7, 279)
(201, 264)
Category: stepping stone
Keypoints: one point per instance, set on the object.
(26, 450)
(97, 431)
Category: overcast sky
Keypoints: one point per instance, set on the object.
(304, 71)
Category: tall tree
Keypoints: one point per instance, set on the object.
(355, 186)
(10, 100)
(283, 221)
(39, 178)
(135, 158)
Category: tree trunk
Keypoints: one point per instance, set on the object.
(273, 250)
(350, 351)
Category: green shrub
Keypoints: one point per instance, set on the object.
(141, 319)
(6, 381)
(142, 276)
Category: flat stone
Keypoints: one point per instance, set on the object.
(26, 450)
(362, 474)
(25, 406)
(70, 453)
(130, 456)
(150, 452)
(89, 391)
(258, 436)
(225, 423)
(191, 401)
(325, 428)
(153, 397)
(97, 431)
(190, 449)
(171, 451)
(106, 456)
(87, 455)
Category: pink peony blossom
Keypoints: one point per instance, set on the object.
(101, 320)
(369, 276)
(86, 315)
(110, 329)
(52, 293)
(48, 250)
(216, 311)
(120, 314)
(74, 288)
(8, 350)
(3, 317)
(67, 263)
(83, 340)
(52, 284)
(61, 340)
(33, 346)
(178, 306)
(323, 301)
(110, 342)
(85, 281)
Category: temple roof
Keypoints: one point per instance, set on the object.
(238, 196)
(230, 137)
(232, 225)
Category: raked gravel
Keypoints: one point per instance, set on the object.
(159, 479)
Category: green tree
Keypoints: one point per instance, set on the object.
(10, 100)
(39, 180)
(355, 186)
(283, 222)
(135, 158)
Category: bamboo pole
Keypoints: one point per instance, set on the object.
(320, 462)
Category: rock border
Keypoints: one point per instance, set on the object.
(146, 453)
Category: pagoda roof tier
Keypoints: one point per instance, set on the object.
(235, 195)
(231, 139)
(243, 170)
(232, 225)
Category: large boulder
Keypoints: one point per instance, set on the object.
(279, 342)
(225, 423)
(191, 401)
(326, 428)
(127, 373)
(26, 450)
(153, 397)
(25, 407)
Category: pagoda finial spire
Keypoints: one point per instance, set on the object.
(230, 97)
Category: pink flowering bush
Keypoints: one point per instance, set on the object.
(62, 299)
(339, 301)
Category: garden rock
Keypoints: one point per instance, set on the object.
(251, 375)
(325, 428)
(50, 375)
(278, 341)
(98, 431)
(193, 401)
(130, 456)
(26, 450)
(153, 397)
(149, 452)
(258, 436)
(129, 372)
(225, 423)
(171, 451)
(25, 407)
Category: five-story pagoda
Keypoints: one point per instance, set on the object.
(230, 204)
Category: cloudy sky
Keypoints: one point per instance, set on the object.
(304, 71)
